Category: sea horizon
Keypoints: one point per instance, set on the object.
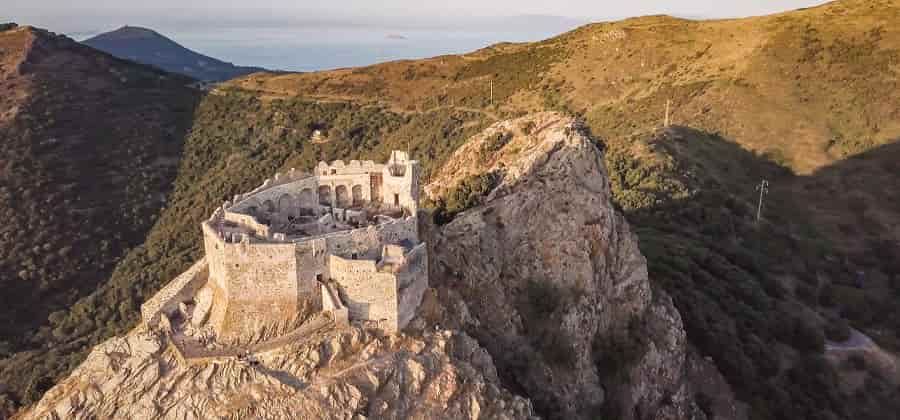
(315, 45)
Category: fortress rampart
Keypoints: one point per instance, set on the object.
(176, 291)
(343, 240)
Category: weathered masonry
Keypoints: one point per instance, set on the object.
(342, 240)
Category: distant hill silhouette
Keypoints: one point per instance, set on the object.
(149, 47)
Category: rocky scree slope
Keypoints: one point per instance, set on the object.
(547, 275)
(345, 374)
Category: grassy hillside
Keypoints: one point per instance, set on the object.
(90, 148)
(806, 88)
(804, 99)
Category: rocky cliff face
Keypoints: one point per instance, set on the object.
(539, 291)
(348, 374)
(548, 277)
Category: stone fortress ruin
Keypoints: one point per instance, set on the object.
(298, 254)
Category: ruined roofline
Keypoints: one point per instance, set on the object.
(369, 265)
(257, 240)
(356, 165)
(261, 216)
(366, 166)
(277, 180)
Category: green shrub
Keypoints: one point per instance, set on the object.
(614, 353)
(468, 193)
(544, 297)
(528, 128)
(557, 347)
(495, 143)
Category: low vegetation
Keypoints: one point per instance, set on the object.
(468, 193)
(737, 282)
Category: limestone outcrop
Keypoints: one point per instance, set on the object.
(546, 274)
(347, 374)
(538, 303)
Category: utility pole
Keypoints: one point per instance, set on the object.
(763, 188)
(492, 92)
(668, 102)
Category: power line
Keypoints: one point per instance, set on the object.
(763, 189)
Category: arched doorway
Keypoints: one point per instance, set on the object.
(357, 195)
(307, 200)
(287, 206)
(252, 207)
(269, 206)
(343, 196)
(325, 195)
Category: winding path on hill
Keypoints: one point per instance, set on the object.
(325, 98)
(857, 341)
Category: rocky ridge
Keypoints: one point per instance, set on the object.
(547, 275)
(539, 292)
(345, 374)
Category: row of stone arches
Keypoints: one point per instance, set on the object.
(293, 205)
(343, 196)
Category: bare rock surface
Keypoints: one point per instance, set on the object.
(548, 277)
(345, 374)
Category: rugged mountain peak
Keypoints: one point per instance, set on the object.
(512, 149)
(547, 275)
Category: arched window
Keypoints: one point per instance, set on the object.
(307, 200)
(357, 195)
(287, 205)
(342, 195)
(325, 195)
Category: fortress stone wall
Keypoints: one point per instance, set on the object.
(343, 240)
(165, 302)
(412, 280)
(369, 294)
(255, 285)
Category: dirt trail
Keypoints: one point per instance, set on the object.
(857, 341)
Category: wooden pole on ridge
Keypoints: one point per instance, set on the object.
(492, 92)
(668, 102)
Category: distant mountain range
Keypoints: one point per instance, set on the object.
(150, 47)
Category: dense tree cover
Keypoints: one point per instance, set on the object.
(692, 205)
(90, 150)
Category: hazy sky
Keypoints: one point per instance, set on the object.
(374, 9)
(305, 35)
